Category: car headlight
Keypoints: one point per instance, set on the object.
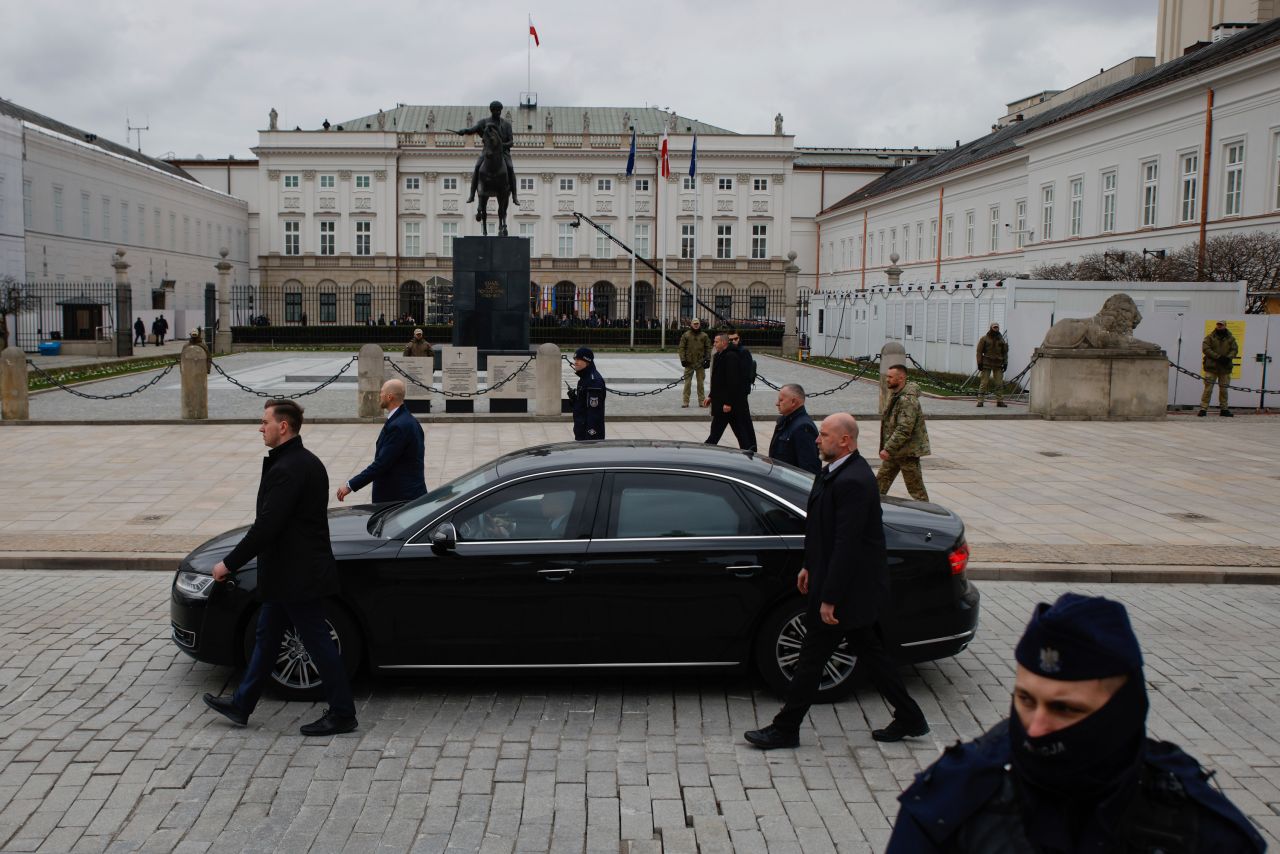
(195, 585)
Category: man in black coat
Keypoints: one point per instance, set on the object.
(139, 332)
(296, 571)
(795, 436)
(588, 397)
(846, 579)
(728, 395)
(398, 460)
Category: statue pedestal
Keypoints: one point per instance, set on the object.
(491, 287)
(1085, 385)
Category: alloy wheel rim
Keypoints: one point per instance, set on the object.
(294, 666)
(787, 652)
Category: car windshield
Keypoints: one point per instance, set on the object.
(408, 518)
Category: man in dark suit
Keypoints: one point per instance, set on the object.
(728, 396)
(795, 436)
(396, 470)
(296, 571)
(846, 578)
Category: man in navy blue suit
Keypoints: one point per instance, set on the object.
(397, 468)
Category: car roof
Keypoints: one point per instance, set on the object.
(632, 452)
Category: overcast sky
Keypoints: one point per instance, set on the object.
(884, 74)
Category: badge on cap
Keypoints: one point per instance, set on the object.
(1049, 660)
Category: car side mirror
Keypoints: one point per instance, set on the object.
(444, 538)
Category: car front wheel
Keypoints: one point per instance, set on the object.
(295, 673)
(778, 651)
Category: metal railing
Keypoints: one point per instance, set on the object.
(65, 311)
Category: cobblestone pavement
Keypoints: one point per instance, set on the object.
(287, 374)
(106, 746)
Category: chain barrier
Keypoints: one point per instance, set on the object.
(1201, 377)
(235, 382)
(50, 379)
(463, 394)
(964, 388)
(867, 360)
(611, 390)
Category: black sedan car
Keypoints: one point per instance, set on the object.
(606, 555)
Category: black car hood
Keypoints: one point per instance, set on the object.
(348, 531)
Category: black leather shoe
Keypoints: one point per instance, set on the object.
(228, 709)
(1227, 413)
(897, 731)
(771, 737)
(329, 724)
(1202, 413)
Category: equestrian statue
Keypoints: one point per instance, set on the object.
(493, 175)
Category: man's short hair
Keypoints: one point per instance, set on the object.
(902, 368)
(794, 389)
(723, 334)
(286, 410)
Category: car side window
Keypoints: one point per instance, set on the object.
(655, 504)
(546, 508)
(782, 520)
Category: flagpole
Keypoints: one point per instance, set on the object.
(528, 50)
(659, 194)
(631, 181)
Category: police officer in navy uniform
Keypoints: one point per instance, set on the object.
(588, 397)
(1071, 769)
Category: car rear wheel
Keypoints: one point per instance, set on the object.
(778, 651)
(295, 674)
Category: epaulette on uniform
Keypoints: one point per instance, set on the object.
(1193, 781)
(959, 783)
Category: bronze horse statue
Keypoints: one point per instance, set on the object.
(495, 180)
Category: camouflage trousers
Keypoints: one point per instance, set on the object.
(1222, 379)
(911, 476)
(991, 376)
(688, 381)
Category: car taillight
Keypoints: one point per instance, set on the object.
(959, 558)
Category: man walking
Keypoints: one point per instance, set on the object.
(1220, 350)
(588, 397)
(903, 437)
(846, 580)
(747, 363)
(159, 327)
(296, 571)
(728, 395)
(1071, 768)
(993, 359)
(795, 436)
(399, 456)
(139, 332)
(695, 352)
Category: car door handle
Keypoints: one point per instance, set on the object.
(744, 570)
(559, 573)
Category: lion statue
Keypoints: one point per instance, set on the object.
(1109, 329)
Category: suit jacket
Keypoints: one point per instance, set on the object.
(844, 548)
(398, 461)
(727, 382)
(290, 535)
(795, 441)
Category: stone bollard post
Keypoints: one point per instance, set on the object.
(790, 340)
(13, 385)
(892, 354)
(547, 371)
(894, 272)
(124, 306)
(222, 338)
(194, 364)
(373, 371)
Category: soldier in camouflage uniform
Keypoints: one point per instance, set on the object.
(993, 358)
(1220, 350)
(903, 437)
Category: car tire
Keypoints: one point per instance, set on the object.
(297, 677)
(778, 647)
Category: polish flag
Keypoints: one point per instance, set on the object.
(663, 157)
(533, 31)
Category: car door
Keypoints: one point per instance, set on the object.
(498, 596)
(678, 570)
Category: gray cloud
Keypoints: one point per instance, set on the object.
(842, 75)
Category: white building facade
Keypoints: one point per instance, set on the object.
(71, 199)
(1125, 169)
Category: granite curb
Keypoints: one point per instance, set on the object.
(978, 571)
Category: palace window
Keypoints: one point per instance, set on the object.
(449, 183)
(1190, 187)
(291, 182)
(328, 235)
(640, 240)
(760, 185)
(414, 183)
(364, 237)
(566, 185)
(993, 229)
(448, 231)
(1109, 181)
(1075, 221)
(328, 307)
(1150, 193)
(604, 185)
(1233, 179)
(363, 182)
(1046, 212)
(725, 183)
(328, 182)
(759, 241)
(686, 240)
(413, 239)
(564, 241)
(642, 185)
(724, 240)
(292, 237)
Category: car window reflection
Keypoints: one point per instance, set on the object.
(540, 509)
(663, 505)
(412, 516)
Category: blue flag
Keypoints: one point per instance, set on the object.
(693, 158)
(631, 158)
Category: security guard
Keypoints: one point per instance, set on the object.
(588, 397)
(1072, 768)
(1220, 351)
(993, 359)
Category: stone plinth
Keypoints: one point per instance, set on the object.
(372, 374)
(1082, 384)
(491, 293)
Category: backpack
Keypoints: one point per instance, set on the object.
(748, 369)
